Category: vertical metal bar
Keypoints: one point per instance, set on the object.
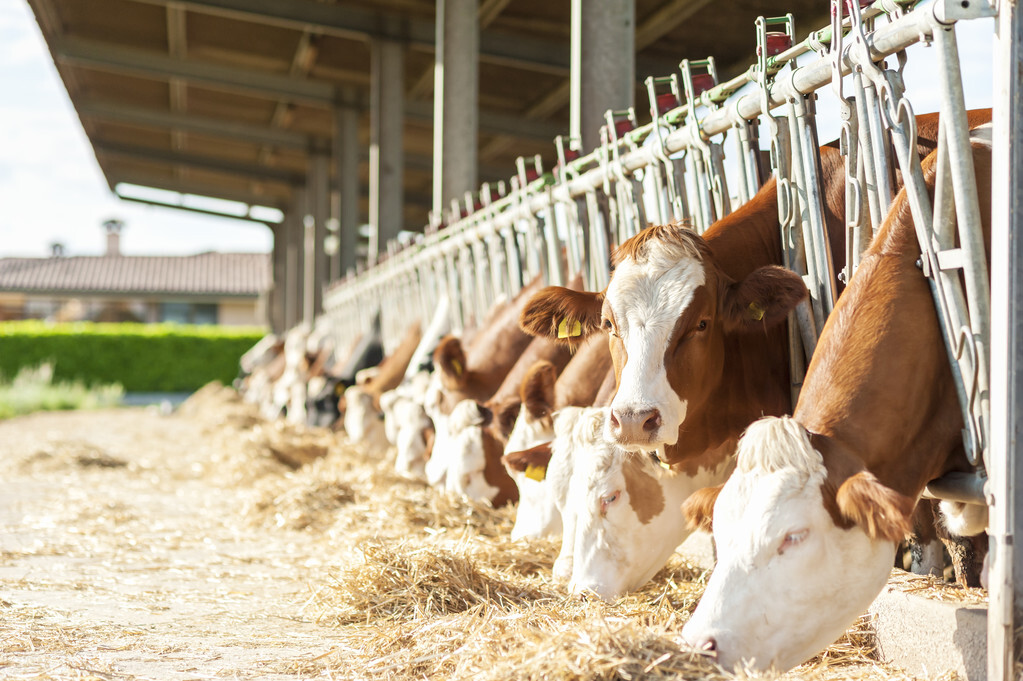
(1005, 474)
(555, 271)
(971, 238)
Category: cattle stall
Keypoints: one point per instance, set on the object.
(558, 222)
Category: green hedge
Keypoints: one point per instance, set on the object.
(140, 357)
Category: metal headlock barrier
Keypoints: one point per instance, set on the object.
(559, 223)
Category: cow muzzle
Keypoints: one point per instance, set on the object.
(633, 426)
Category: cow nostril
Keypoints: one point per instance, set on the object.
(710, 645)
(614, 421)
(653, 422)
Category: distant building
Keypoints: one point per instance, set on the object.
(207, 288)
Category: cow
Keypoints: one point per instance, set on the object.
(693, 322)
(819, 501)
(619, 509)
(473, 373)
(363, 419)
(478, 432)
(327, 404)
(543, 393)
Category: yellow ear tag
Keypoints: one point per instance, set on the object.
(566, 331)
(756, 312)
(660, 462)
(537, 473)
(339, 389)
(458, 367)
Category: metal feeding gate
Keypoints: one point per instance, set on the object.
(561, 223)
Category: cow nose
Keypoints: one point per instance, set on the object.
(634, 425)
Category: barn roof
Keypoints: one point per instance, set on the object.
(227, 98)
(205, 274)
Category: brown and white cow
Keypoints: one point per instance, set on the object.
(818, 502)
(474, 373)
(478, 432)
(619, 509)
(693, 321)
(694, 332)
(363, 419)
(543, 394)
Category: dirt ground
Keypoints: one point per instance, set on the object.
(123, 555)
(209, 544)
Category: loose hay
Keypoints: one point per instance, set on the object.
(403, 581)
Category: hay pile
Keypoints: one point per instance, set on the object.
(243, 446)
(423, 585)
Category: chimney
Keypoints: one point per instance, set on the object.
(57, 249)
(113, 227)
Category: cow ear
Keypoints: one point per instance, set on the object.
(698, 509)
(533, 460)
(764, 298)
(449, 359)
(537, 389)
(879, 511)
(562, 315)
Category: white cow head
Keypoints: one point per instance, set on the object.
(537, 514)
(362, 420)
(621, 513)
(802, 549)
(467, 459)
(411, 442)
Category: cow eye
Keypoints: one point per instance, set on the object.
(702, 326)
(606, 324)
(607, 500)
(792, 539)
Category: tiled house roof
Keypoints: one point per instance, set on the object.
(225, 274)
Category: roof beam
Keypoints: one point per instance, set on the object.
(664, 19)
(238, 168)
(352, 21)
(104, 56)
(194, 187)
(495, 123)
(193, 209)
(101, 55)
(252, 171)
(214, 127)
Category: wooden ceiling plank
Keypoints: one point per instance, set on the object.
(353, 21)
(664, 19)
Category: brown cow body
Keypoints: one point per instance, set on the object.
(877, 419)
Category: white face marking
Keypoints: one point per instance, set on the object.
(647, 299)
(467, 458)
(410, 440)
(612, 550)
(788, 581)
(362, 423)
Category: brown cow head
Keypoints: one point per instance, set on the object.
(673, 318)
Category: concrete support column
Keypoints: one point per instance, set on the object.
(346, 158)
(386, 146)
(456, 99)
(294, 259)
(603, 64)
(278, 289)
(317, 214)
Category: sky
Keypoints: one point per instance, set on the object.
(51, 187)
(52, 190)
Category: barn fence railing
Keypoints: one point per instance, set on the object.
(561, 223)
